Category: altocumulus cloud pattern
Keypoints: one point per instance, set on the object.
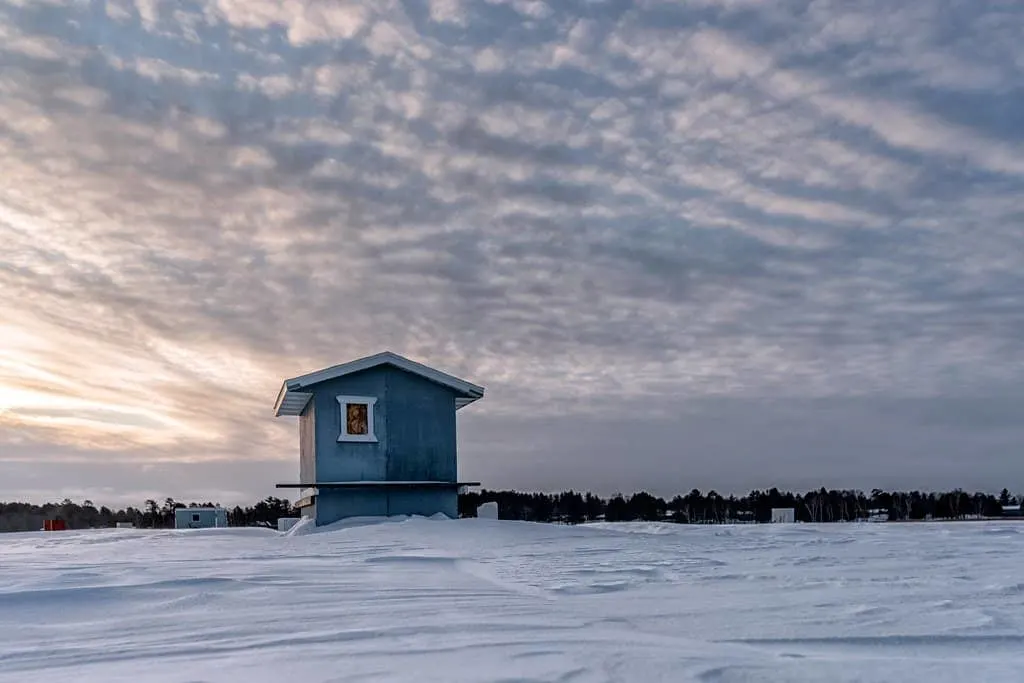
(723, 236)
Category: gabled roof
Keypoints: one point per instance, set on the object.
(292, 398)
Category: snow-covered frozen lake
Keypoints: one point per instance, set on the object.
(480, 600)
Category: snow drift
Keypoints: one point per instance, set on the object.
(482, 600)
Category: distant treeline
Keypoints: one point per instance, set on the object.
(712, 508)
(152, 515)
(570, 507)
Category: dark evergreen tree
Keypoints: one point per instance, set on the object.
(593, 506)
(617, 510)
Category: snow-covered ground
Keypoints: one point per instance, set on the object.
(481, 600)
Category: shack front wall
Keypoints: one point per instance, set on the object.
(333, 505)
(337, 504)
(413, 421)
(414, 424)
(421, 429)
(350, 460)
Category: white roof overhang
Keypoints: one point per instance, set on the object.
(292, 398)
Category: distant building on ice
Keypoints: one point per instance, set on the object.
(376, 437)
(200, 518)
(783, 515)
(1013, 510)
(878, 515)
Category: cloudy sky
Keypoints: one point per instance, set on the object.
(717, 243)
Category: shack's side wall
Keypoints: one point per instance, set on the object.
(307, 444)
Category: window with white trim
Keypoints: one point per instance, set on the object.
(356, 418)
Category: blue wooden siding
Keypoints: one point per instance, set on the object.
(421, 428)
(350, 460)
(414, 422)
(333, 505)
(186, 518)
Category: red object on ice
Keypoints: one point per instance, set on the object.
(54, 525)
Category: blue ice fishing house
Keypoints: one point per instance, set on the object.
(200, 518)
(376, 438)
